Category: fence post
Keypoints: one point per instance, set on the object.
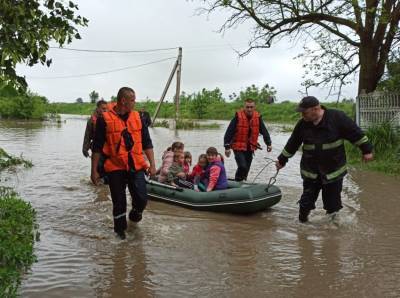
(358, 110)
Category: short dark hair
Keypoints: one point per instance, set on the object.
(123, 92)
(188, 154)
(101, 102)
(249, 100)
(177, 145)
(212, 151)
(203, 156)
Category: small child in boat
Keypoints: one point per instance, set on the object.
(167, 160)
(198, 172)
(187, 163)
(215, 174)
(221, 157)
(176, 176)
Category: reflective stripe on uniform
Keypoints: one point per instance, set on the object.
(333, 144)
(336, 173)
(309, 174)
(308, 146)
(286, 154)
(363, 140)
(119, 216)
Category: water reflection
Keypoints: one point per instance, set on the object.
(125, 272)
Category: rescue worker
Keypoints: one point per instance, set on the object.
(122, 137)
(145, 116)
(242, 136)
(322, 132)
(101, 106)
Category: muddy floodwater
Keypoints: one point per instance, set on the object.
(176, 252)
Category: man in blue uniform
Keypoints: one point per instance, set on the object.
(322, 132)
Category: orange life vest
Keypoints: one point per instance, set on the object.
(114, 147)
(243, 137)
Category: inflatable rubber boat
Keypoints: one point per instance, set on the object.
(240, 197)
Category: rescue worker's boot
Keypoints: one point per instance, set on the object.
(135, 215)
(121, 235)
(303, 214)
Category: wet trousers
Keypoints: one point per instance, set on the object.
(243, 161)
(118, 180)
(331, 197)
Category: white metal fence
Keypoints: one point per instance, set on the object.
(376, 108)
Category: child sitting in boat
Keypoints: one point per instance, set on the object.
(215, 174)
(198, 172)
(167, 160)
(176, 176)
(187, 163)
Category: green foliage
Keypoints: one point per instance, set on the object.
(209, 104)
(27, 27)
(199, 102)
(94, 96)
(7, 161)
(187, 124)
(386, 142)
(392, 81)
(17, 237)
(264, 95)
(71, 108)
(17, 232)
(21, 105)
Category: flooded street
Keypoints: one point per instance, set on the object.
(176, 252)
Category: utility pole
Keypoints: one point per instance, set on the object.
(178, 84)
(176, 68)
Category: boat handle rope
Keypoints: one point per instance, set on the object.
(272, 180)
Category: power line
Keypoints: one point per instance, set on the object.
(113, 51)
(103, 72)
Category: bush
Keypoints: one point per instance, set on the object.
(23, 107)
(17, 229)
(386, 142)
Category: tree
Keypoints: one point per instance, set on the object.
(201, 100)
(262, 95)
(79, 100)
(27, 27)
(341, 37)
(94, 96)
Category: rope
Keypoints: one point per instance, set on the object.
(272, 180)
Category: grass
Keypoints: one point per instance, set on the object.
(17, 232)
(187, 124)
(386, 142)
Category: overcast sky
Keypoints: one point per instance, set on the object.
(209, 58)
